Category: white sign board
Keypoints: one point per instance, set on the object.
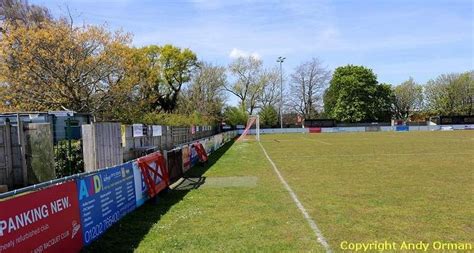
(62, 113)
(156, 130)
(137, 130)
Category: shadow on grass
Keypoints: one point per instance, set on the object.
(126, 235)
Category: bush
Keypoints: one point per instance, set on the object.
(235, 116)
(173, 119)
(68, 163)
(268, 116)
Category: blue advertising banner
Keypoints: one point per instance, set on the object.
(402, 128)
(193, 155)
(141, 189)
(104, 198)
(140, 186)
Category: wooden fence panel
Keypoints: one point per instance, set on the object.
(6, 169)
(40, 153)
(102, 145)
(13, 170)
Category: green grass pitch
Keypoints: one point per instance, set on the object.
(357, 187)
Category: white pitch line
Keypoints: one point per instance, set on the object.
(284, 156)
(323, 142)
(300, 206)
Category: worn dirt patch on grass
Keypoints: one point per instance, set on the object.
(215, 182)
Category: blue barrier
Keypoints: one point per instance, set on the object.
(360, 129)
(402, 128)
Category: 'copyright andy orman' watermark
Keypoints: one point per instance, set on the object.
(405, 245)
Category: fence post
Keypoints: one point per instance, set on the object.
(21, 143)
(169, 137)
(69, 145)
(9, 154)
(164, 132)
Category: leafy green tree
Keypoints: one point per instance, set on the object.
(205, 94)
(163, 72)
(268, 116)
(61, 66)
(382, 106)
(235, 116)
(354, 95)
(451, 94)
(250, 81)
(408, 98)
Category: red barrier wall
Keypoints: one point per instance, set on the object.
(47, 220)
(314, 130)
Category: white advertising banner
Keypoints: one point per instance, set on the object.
(157, 130)
(137, 130)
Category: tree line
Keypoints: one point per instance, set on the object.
(49, 63)
(350, 94)
(361, 98)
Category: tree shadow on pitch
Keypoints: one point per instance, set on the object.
(126, 235)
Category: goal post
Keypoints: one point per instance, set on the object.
(252, 120)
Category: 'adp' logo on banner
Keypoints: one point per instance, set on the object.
(90, 186)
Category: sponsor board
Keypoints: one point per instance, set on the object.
(43, 221)
(186, 158)
(218, 139)
(174, 164)
(141, 189)
(469, 127)
(193, 155)
(209, 147)
(372, 129)
(137, 130)
(104, 198)
(156, 130)
(314, 130)
(402, 128)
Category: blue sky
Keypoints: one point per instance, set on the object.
(397, 38)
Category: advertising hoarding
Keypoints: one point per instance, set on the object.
(104, 198)
(43, 221)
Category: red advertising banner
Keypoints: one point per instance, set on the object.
(44, 221)
(153, 168)
(313, 130)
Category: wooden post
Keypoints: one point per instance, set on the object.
(9, 154)
(22, 144)
(88, 147)
(163, 138)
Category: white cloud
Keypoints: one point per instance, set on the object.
(207, 4)
(330, 33)
(236, 53)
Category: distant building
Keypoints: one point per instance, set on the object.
(62, 122)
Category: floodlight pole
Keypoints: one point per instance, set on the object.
(280, 60)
